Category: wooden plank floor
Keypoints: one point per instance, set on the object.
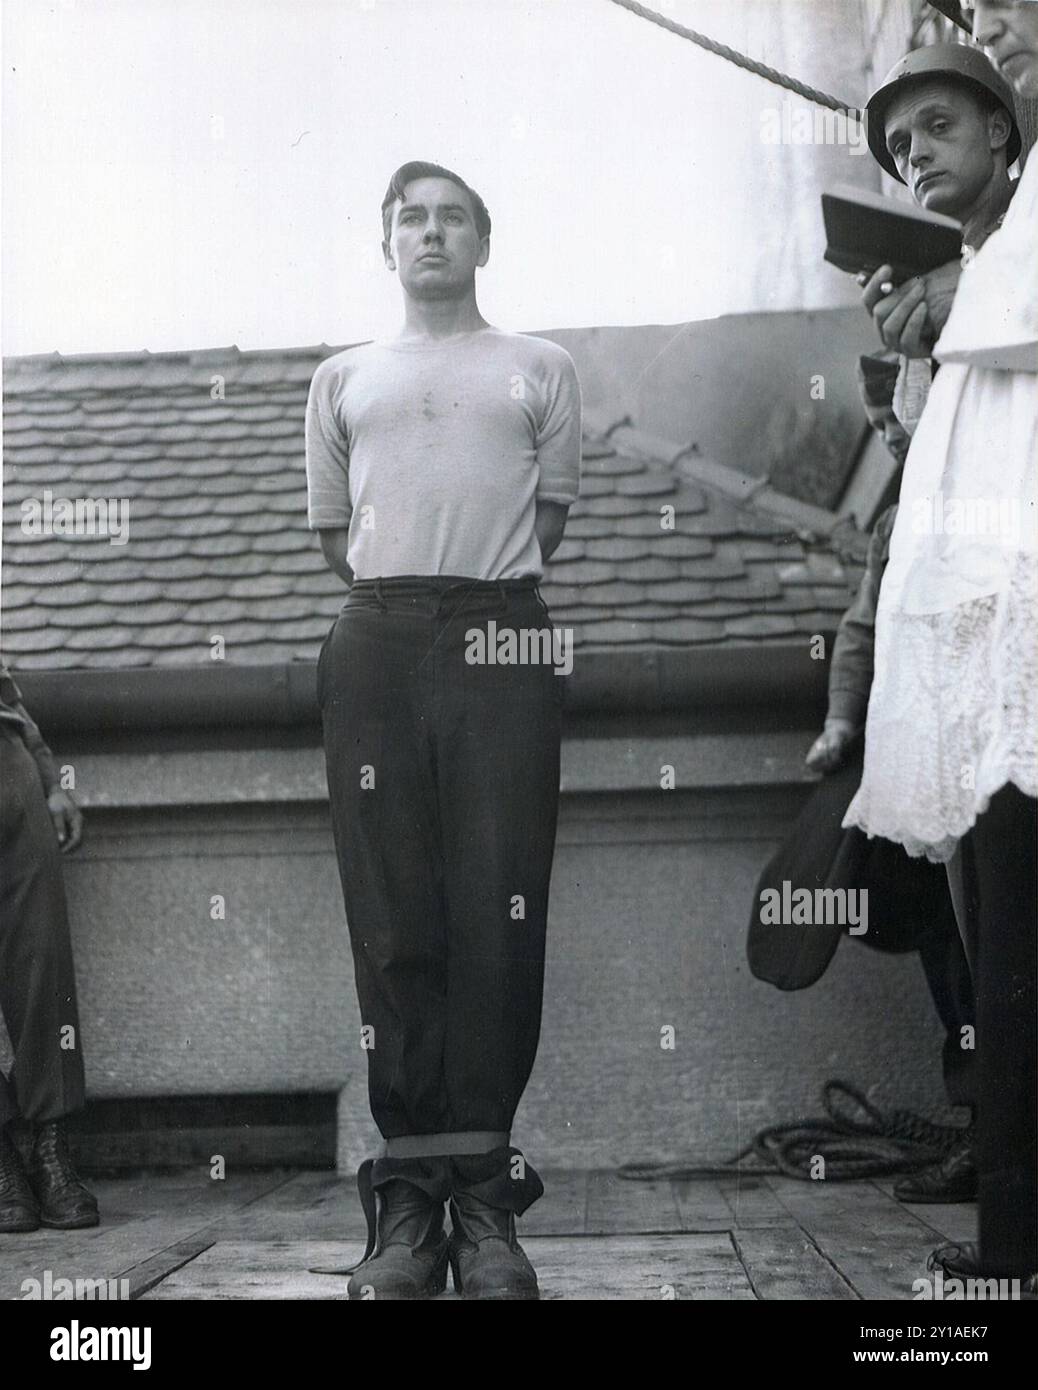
(256, 1235)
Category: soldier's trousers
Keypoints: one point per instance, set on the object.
(1001, 930)
(37, 981)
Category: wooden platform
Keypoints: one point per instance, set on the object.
(255, 1235)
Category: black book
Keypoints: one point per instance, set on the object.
(865, 230)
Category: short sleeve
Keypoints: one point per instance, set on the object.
(327, 457)
(558, 435)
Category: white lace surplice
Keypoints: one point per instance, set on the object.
(953, 713)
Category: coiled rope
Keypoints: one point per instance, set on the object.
(856, 1142)
(731, 55)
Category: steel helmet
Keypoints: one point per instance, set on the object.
(959, 61)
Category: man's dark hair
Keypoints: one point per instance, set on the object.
(421, 169)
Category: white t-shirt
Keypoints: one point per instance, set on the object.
(434, 454)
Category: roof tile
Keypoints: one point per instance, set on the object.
(148, 614)
(612, 506)
(620, 632)
(615, 548)
(35, 639)
(581, 525)
(66, 595)
(583, 572)
(760, 625)
(233, 544)
(751, 590)
(261, 586)
(284, 542)
(607, 597)
(833, 597)
(647, 485)
(712, 567)
(817, 622)
(19, 619)
(682, 631)
(290, 608)
(591, 487)
(611, 465)
(680, 591)
(100, 639)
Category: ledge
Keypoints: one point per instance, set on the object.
(636, 681)
(142, 780)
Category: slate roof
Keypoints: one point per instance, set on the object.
(219, 545)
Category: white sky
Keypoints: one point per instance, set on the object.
(195, 173)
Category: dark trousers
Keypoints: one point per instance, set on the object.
(443, 778)
(951, 988)
(1001, 930)
(37, 981)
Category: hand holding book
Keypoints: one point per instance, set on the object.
(909, 317)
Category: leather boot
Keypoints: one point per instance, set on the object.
(961, 1260)
(65, 1204)
(487, 1260)
(409, 1260)
(954, 1179)
(19, 1209)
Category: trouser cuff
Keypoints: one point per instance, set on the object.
(503, 1178)
(429, 1175)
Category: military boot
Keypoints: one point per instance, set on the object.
(487, 1260)
(65, 1204)
(954, 1179)
(407, 1248)
(19, 1209)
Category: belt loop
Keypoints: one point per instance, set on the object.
(380, 596)
(502, 596)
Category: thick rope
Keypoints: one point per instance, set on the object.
(865, 1144)
(731, 55)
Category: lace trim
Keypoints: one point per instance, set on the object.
(953, 717)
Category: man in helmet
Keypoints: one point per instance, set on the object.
(950, 766)
(943, 123)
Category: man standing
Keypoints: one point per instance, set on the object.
(37, 982)
(950, 764)
(943, 123)
(440, 466)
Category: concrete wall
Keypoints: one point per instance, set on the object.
(650, 902)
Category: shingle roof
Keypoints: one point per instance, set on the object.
(208, 449)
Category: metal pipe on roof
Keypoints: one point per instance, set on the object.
(640, 681)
